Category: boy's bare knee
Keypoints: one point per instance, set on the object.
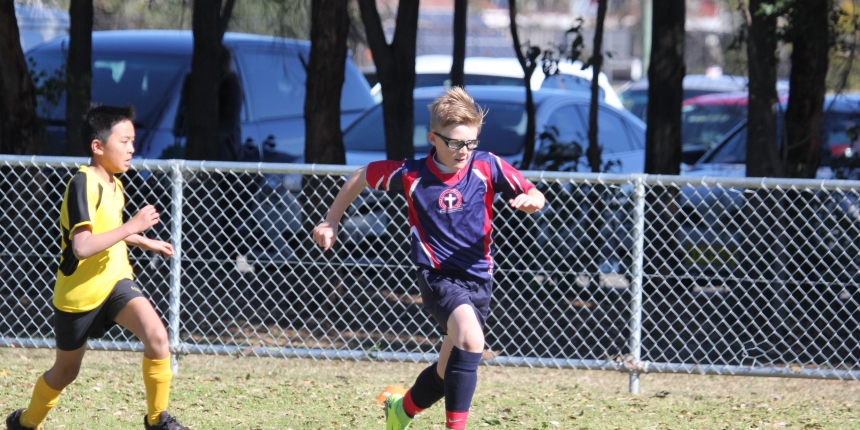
(156, 344)
(472, 340)
(157, 339)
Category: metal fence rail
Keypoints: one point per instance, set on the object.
(634, 273)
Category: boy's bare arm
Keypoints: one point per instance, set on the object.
(530, 202)
(161, 247)
(326, 232)
(85, 244)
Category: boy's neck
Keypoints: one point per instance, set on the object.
(102, 173)
(443, 168)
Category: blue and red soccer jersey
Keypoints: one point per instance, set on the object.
(450, 215)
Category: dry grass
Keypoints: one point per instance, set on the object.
(218, 392)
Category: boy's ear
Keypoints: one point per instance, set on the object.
(97, 147)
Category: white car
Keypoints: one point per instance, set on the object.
(434, 70)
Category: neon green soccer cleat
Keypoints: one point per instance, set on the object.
(395, 416)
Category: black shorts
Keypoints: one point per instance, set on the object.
(73, 328)
(442, 292)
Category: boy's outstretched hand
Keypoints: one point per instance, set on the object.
(527, 203)
(325, 234)
(161, 248)
(143, 219)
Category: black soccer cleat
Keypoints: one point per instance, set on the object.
(13, 421)
(165, 422)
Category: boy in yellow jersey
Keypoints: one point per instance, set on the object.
(95, 287)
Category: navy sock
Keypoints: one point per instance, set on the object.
(461, 377)
(428, 389)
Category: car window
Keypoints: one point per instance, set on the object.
(733, 151)
(570, 83)
(444, 79)
(635, 101)
(145, 81)
(275, 82)
(705, 125)
(612, 133)
(567, 125)
(503, 132)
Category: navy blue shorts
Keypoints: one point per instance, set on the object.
(73, 328)
(442, 292)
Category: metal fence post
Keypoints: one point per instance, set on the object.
(175, 263)
(635, 324)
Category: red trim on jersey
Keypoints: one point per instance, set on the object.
(378, 173)
(516, 179)
(409, 179)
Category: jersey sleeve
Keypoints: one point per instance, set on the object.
(385, 175)
(508, 180)
(81, 202)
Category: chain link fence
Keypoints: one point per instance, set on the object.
(630, 273)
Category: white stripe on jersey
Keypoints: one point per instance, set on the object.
(499, 163)
(481, 177)
(388, 182)
(414, 185)
(423, 245)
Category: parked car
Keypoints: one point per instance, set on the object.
(562, 115)
(146, 68)
(435, 70)
(710, 215)
(841, 114)
(634, 95)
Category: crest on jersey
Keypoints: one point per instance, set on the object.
(450, 201)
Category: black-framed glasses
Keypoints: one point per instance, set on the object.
(458, 144)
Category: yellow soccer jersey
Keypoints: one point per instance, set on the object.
(82, 285)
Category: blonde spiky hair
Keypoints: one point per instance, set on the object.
(456, 106)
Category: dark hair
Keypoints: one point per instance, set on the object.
(99, 121)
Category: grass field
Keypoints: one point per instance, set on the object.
(265, 393)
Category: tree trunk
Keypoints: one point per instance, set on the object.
(665, 91)
(804, 115)
(79, 73)
(395, 69)
(528, 61)
(21, 132)
(323, 136)
(762, 155)
(762, 256)
(205, 78)
(326, 69)
(594, 150)
(666, 72)
(461, 11)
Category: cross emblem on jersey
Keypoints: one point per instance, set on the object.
(450, 201)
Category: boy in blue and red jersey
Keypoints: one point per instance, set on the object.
(450, 195)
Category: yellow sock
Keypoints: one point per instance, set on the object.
(156, 378)
(43, 400)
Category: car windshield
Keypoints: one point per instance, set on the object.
(705, 125)
(118, 79)
(503, 132)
